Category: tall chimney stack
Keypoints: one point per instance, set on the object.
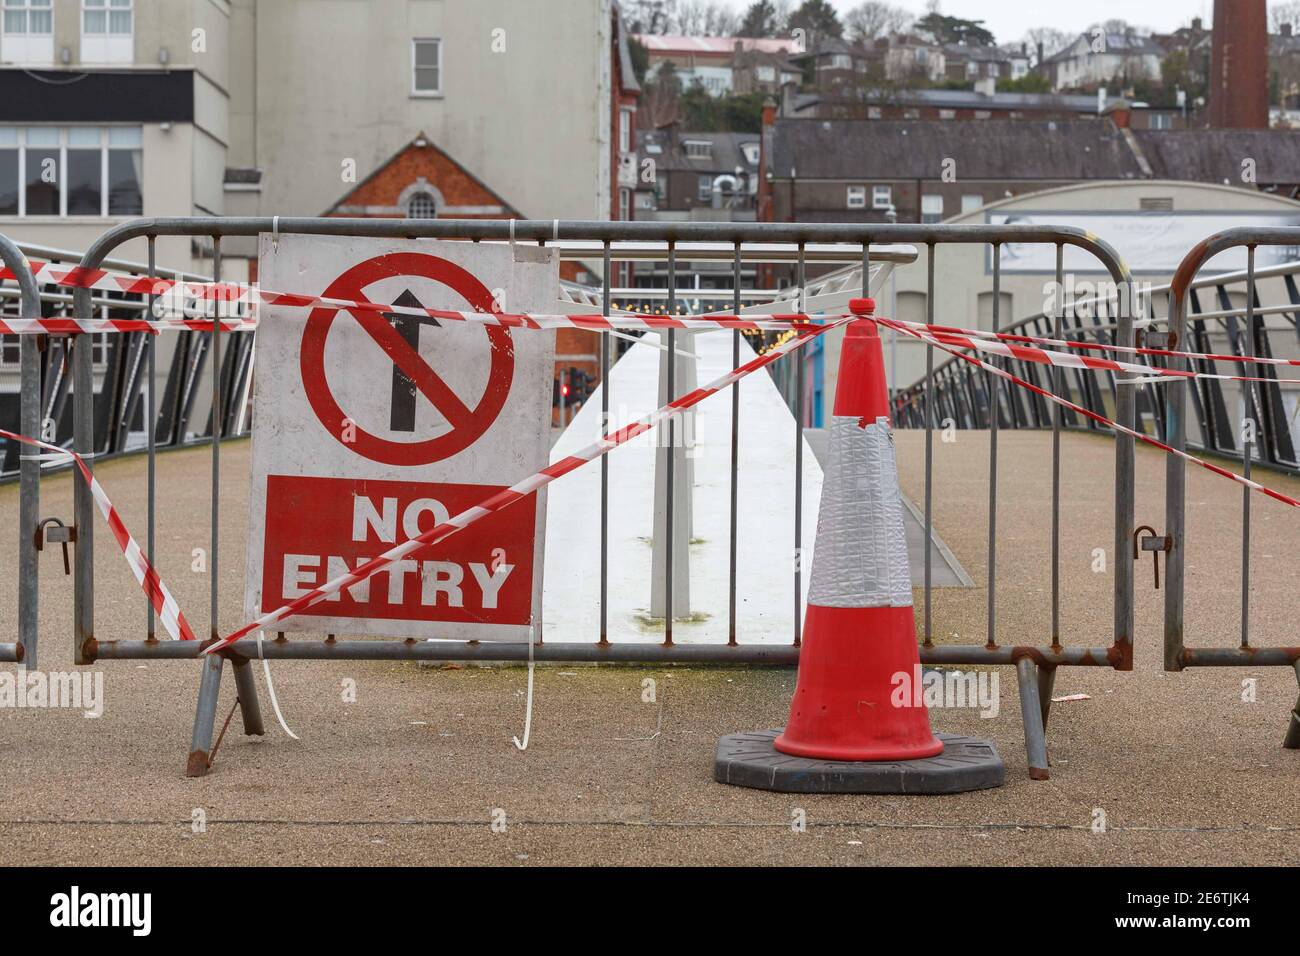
(1239, 65)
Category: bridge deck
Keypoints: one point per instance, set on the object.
(410, 772)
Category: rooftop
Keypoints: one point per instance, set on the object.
(917, 149)
(715, 45)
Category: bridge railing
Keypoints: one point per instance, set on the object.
(1213, 323)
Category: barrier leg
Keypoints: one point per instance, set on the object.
(1032, 713)
(1292, 739)
(205, 716)
(1046, 684)
(250, 712)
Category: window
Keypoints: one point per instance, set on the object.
(841, 61)
(106, 31)
(947, 114)
(856, 197)
(873, 112)
(421, 206)
(1161, 121)
(28, 32)
(751, 151)
(882, 197)
(931, 208)
(625, 131)
(71, 171)
(624, 205)
(426, 67)
(971, 201)
(706, 189)
(922, 56)
(766, 74)
(698, 149)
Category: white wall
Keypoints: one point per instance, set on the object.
(333, 80)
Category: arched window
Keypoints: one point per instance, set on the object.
(421, 205)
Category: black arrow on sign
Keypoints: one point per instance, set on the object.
(402, 414)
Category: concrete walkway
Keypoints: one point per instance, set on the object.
(1184, 771)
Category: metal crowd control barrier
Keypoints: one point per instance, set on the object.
(29, 423)
(952, 392)
(1035, 664)
(1268, 439)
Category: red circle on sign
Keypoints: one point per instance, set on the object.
(468, 425)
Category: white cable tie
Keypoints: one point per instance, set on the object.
(270, 688)
(528, 712)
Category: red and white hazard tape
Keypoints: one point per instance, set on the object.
(1100, 419)
(238, 293)
(164, 604)
(70, 326)
(522, 489)
(1030, 353)
(1097, 346)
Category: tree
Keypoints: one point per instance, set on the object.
(648, 16)
(875, 19)
(1052, 40)
(955, 30)
(1283, 14)
(1029, 83)
(817, 18)
(705, 18)
(640, 57)
(762, 19)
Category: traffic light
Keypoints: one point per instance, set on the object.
(579, 385)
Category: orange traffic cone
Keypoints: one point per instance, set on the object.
(859, 633)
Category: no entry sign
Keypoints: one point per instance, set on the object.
(370, 428)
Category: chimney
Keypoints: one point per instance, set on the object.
(764, 199)
(1285, 29)
(1239, 66)
(1196, 24)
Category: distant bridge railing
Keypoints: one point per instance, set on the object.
(1216, 322)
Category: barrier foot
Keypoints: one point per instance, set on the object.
(1046, 685)
(1292, 739)
(205, 717)
(250, 711)
(1032, 713)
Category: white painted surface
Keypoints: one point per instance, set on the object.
(765, 590)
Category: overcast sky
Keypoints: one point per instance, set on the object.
(1011, 19)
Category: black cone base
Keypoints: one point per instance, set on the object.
(750, 760)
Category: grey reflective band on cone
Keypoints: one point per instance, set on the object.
(861, 554)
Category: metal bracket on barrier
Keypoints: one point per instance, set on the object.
(1152, 542)
(1159, 340)
(58, 533)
